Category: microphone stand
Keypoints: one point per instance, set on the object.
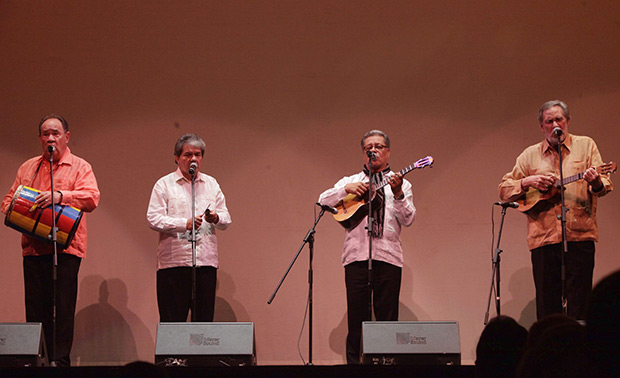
(193, 241)
(50, 151)
(562, 218)
(310, 240)
(371, 157)
(495, 276)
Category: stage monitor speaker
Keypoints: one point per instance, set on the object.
(22, 344)
(411, 343)
(205, 344)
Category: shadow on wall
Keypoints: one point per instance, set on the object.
(337, 338)
(107, 332)
(522, 306)
(227, 308)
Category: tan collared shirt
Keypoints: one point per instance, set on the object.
(543, 226)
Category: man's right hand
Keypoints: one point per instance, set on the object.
(357, 188)
(197, 221)
(540, 182)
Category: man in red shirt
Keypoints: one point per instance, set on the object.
(74, 185)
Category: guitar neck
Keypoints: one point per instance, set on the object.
(573, 178)
(602, 169)
(403, 172)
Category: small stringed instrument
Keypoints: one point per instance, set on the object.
(352, 209)
(533, 196)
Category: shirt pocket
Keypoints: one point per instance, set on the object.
(545, 167)
(575, 166)
(579, 219)
(177, 206)
(63, 184)
(203, 201)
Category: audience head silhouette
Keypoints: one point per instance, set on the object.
(500, 347)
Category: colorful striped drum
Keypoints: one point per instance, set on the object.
(26, 217)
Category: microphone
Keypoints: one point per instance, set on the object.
(328, 208)
(371, 155)
(51, 149)
(557, 131)
(514, 205)
(192, 168)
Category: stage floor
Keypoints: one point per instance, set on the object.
(465, 371)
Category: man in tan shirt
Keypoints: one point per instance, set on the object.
(535, 173)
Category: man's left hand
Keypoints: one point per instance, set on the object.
(396, 183)
(212, 217)
(45, 199)
(593, 178)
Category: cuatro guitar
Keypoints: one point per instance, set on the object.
(352, 209)
(534, 196)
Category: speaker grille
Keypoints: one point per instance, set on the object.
(22, 344)
(427, 343)
(205, 344)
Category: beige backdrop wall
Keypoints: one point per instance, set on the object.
(282, 92)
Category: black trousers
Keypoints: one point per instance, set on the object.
(39, 298)
(385, 297)
(174, 293)
(547, 269)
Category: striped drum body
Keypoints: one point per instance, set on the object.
(24, 216)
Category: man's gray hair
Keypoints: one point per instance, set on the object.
(551, 104)
(192, 139)
(376, 132)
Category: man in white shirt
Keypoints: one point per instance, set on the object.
(396, 210)
(170, 213)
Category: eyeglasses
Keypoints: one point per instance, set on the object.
(378, 147)
(556, 119)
